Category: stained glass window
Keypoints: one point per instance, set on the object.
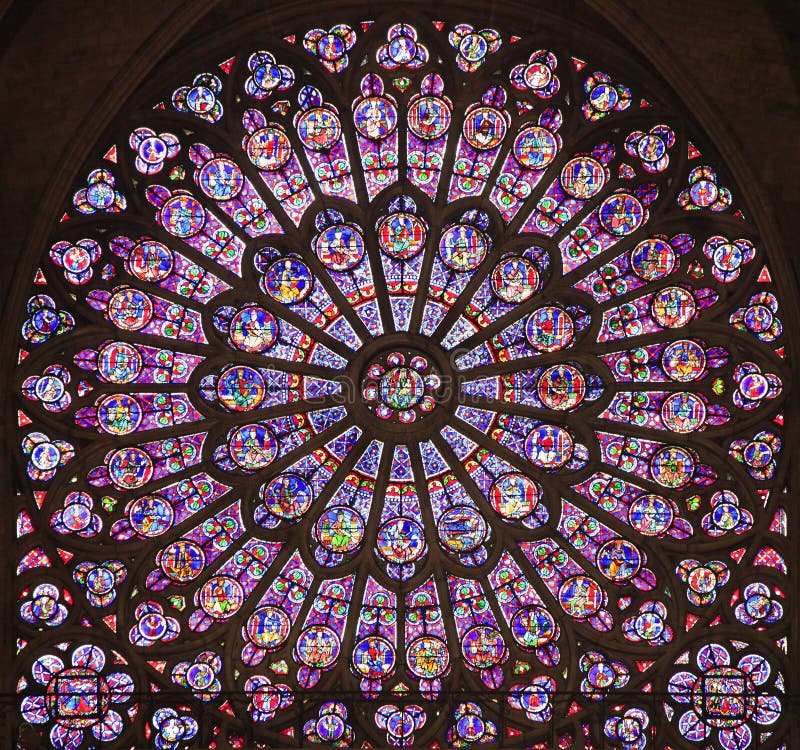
(408, 383)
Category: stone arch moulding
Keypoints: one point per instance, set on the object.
(418, 379)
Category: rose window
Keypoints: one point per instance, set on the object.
(391, 360)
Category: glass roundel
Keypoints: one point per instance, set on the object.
(414, 379)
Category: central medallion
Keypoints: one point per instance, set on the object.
(401, 386)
